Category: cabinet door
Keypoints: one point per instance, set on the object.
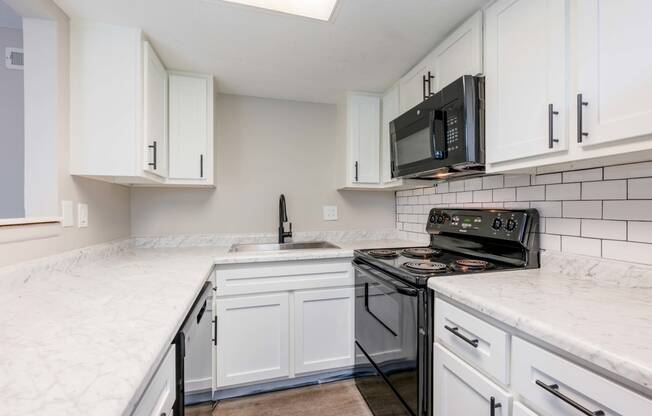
(159, 396)
(189, 127)
(252, 339)
(614, 66)
(390, 110)
(461, 391)
(156, 98)
(411, 86)
(364, 138)
(323, 329)
(525, 69)
(460, 54)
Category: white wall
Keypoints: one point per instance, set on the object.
(264, 147)
(12, 144)
(109, 210)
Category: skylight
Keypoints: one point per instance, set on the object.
(314, 9)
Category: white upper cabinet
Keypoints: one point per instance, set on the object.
(614, 69)
(460, 54)
(156, 101)
(525, 69)
(191, 128)
(414, 85)
(363, 137)
(390, 110)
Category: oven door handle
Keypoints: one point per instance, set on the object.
(438, 134)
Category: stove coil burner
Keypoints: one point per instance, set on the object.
(425, 266)
(383, 253)
(472, 264)
(420, 252)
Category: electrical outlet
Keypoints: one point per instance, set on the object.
(330, 212)
(67, 219)
(82, 215)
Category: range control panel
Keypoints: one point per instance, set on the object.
(493, 223)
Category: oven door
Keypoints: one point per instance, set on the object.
(386, 330)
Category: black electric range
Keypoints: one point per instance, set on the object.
(394, 308)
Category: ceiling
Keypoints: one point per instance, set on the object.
(367, 45)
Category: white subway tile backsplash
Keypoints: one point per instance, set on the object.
(531, 193)
(583, 246)
(563, 226)
(482, 196)
(546, 179)
(597, 212)
(612, 230)
(491, 182)
(474, 184)
(627, 251)
(564, 192)
(547, 209)
(639, 231)
(628, 210)
(639, 188)
(633, 170)
(504, 194)
(583, 175)
(582, 209)
(516, 180)
(604, 190)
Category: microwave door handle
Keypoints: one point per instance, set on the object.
(438, 134)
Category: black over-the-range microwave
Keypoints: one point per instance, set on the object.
(443, 136)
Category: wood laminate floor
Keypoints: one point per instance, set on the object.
(331, 399)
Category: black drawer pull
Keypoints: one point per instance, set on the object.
(554, 390)
(456, 332)
(494, 406)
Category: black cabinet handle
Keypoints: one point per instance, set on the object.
(430, 78)
(554, 390)
(215, 331)
(494, 406)
(423, 87)
(153, 147)
(456, 332)
(551, 114)
(580, 133)
(356, 170)
(201, 166)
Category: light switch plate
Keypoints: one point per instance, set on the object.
(67, 219)
(82, 215)
(330, 212)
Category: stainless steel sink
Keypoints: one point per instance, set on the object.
(309, 245)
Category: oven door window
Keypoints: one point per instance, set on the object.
(386, 328)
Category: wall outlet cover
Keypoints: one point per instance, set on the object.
(330, 212)
(67, 219)
(82, 215)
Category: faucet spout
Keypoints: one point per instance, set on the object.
(282, 219)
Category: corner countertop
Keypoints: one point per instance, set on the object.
(83, 333)
(594, 310)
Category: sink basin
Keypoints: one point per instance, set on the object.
(310, 245)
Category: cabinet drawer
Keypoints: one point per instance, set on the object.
(557, 387)
(484, 346)
(520, 410)
(461, 390)
(160, 394)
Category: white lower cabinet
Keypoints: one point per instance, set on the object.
(280, 320)
(461, 390)
(521, 410)
(252, 338)
(160, 394)
(323, 329)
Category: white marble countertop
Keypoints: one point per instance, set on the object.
(597, 311)
(83, 335)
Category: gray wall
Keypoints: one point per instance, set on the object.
(264, 147)
(12, 132)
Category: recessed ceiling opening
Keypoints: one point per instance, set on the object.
(314, 9)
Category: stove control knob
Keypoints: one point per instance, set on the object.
(440, 219)
(433, 219)
(511, 225)
(497, 224)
